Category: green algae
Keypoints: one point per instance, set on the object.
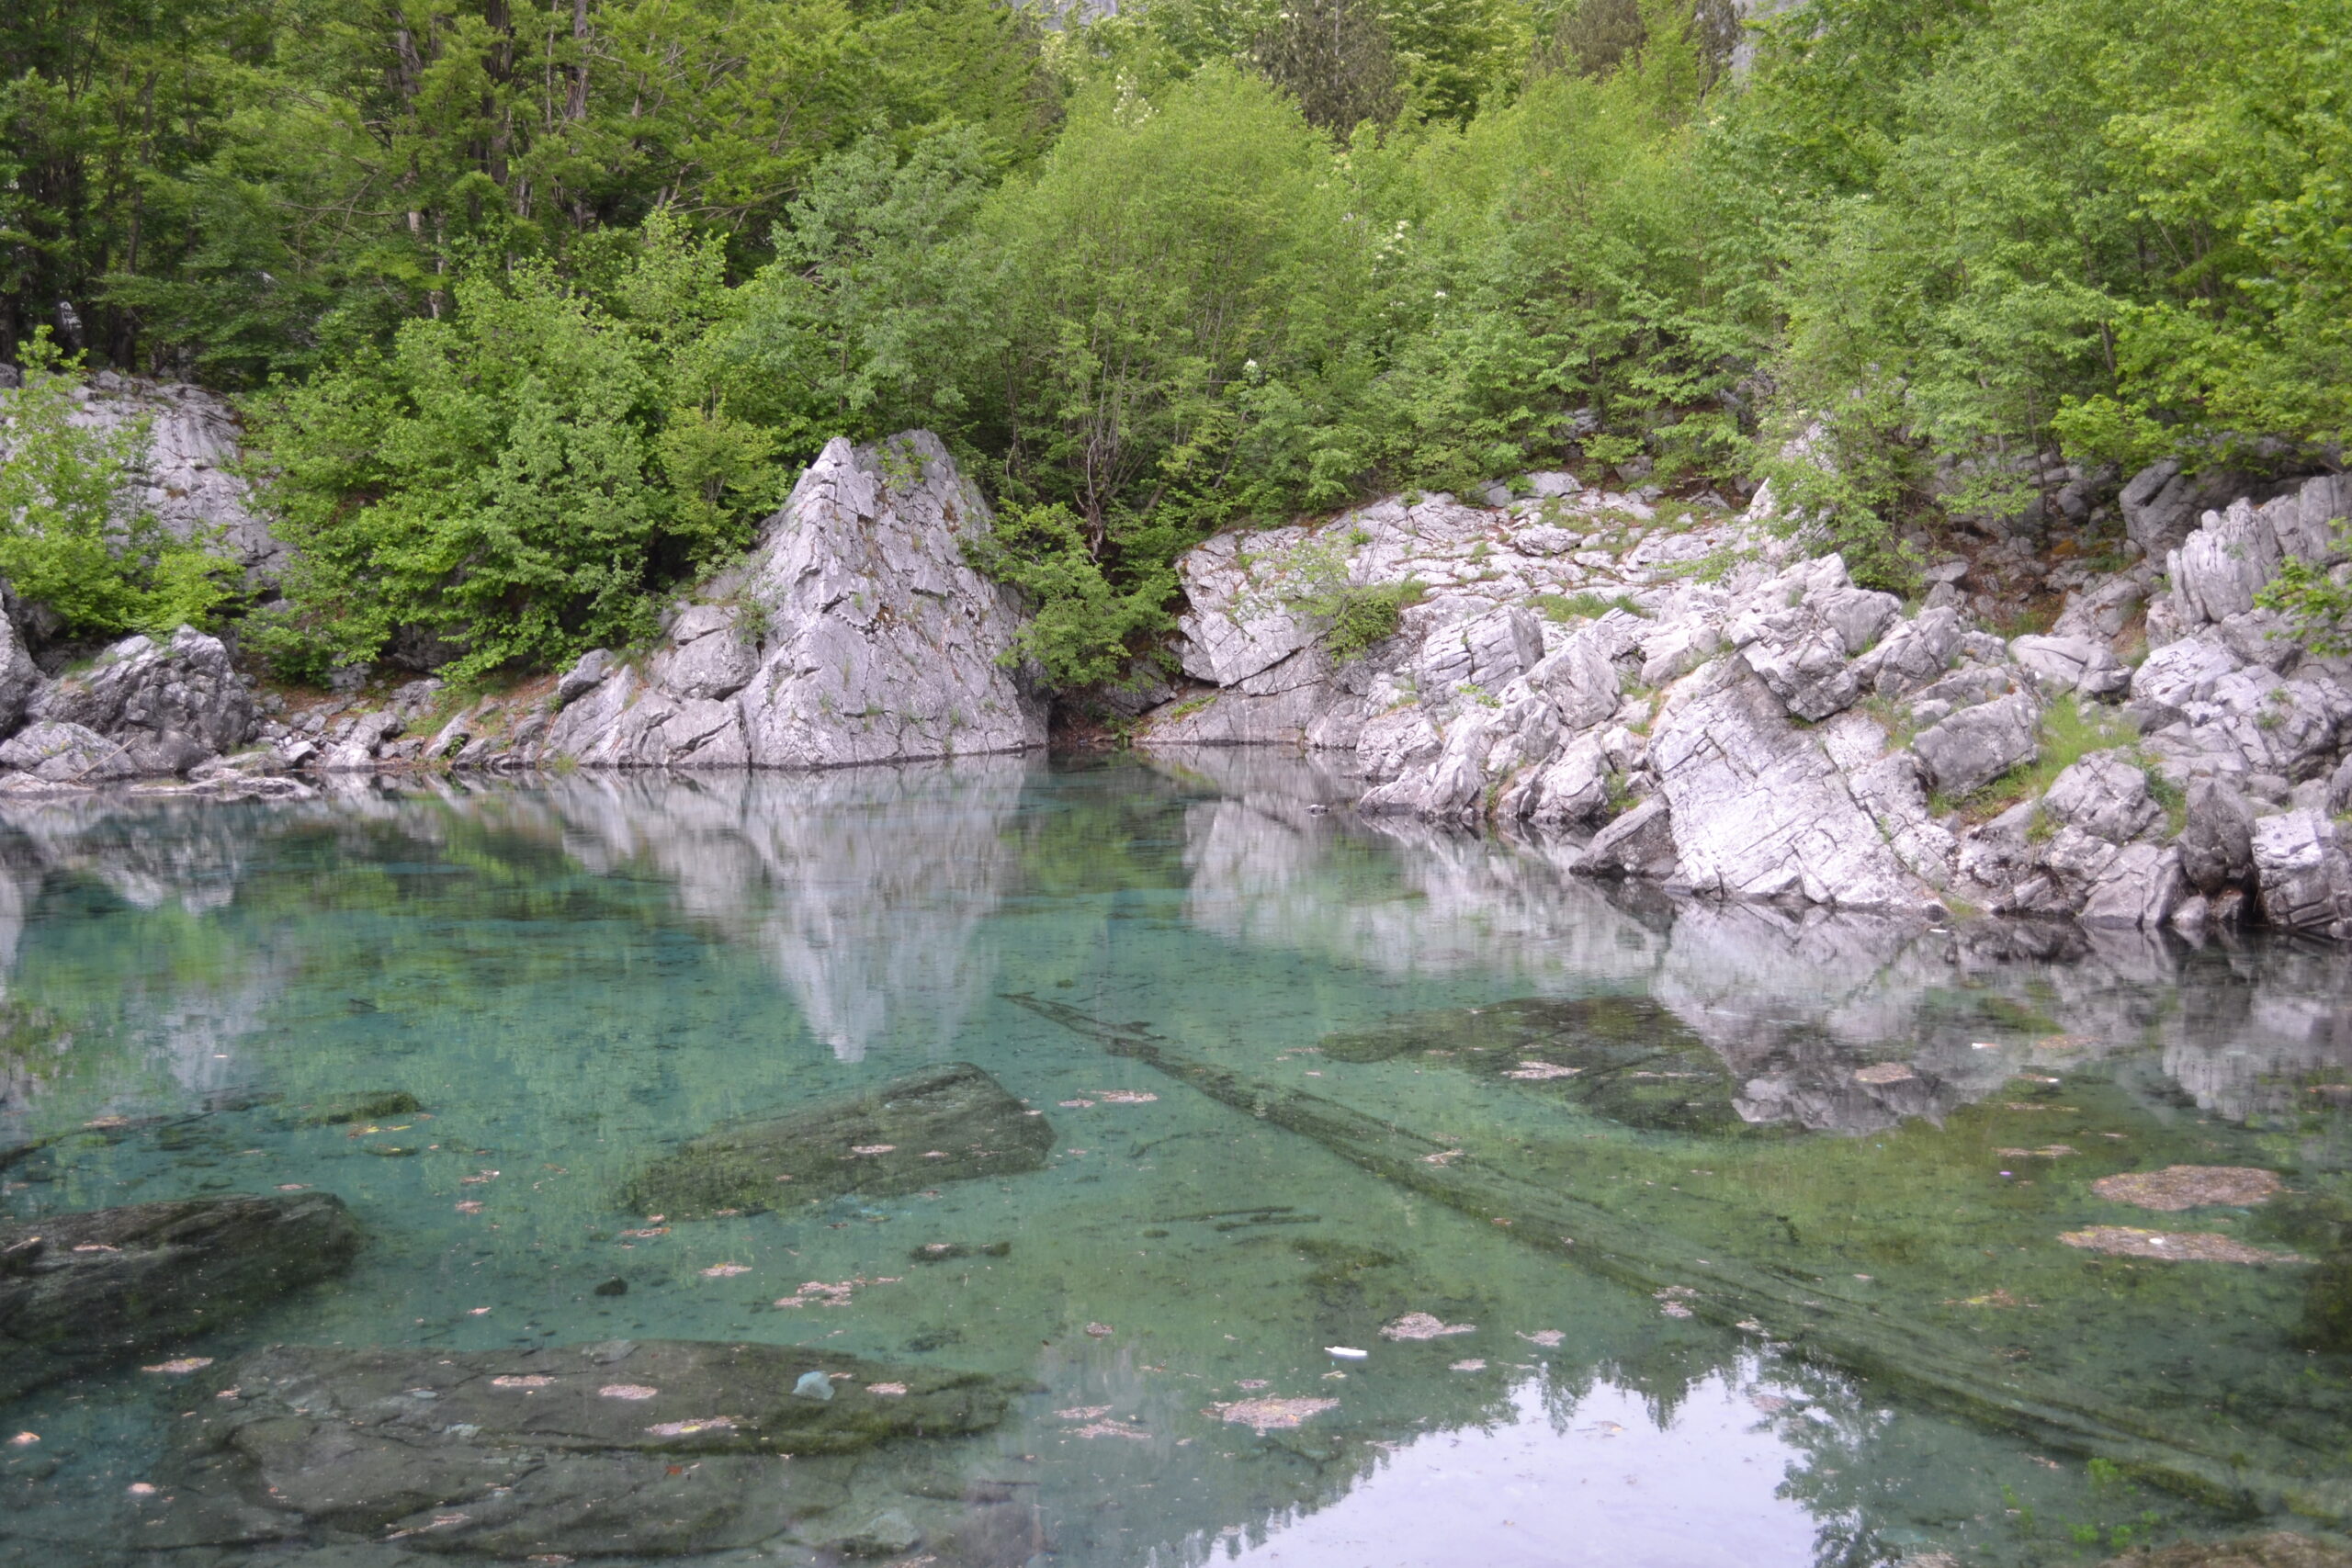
(366, 1106)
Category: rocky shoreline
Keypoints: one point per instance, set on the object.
(1684, 693)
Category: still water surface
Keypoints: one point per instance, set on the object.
(574, 976)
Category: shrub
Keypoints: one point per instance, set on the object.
(72, 536)
(1087, 631)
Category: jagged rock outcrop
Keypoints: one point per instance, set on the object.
(1759, 808)
(168, 706)
(1764, 728)
(856, 632)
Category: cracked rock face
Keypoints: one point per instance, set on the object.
(1976, 745)
(1761, 810)
(855, 633)
(169, 705)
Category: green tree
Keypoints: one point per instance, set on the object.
(518, 476)
(72, 536)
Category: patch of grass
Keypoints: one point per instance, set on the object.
(1187, 708)
(2069, 733)
(1563, 608)
(1713, 567)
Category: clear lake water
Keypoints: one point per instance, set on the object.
(573, 976)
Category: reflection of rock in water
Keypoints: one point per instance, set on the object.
(150, 851)
(866, 888)
(2278, 1047)
(1622, 1057)
(1398, 896)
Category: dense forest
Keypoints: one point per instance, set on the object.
(535, 310)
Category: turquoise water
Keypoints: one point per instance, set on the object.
(573, 977)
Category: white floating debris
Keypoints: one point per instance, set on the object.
(1346, 1353)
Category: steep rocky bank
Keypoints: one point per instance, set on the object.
(1676, 693)
(1730, 717)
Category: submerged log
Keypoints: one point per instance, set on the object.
(1811, 1321)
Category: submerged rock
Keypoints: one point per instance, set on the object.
(2179, 1187)
(366, 1106)
(82, 1291)
(656, 1448)
(2195, 1246)
(2279, 1549)
(946, 1123)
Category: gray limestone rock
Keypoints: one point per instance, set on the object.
(1485, 654)
(2161, 504)
(1799, 630)
(1638, 844)
(187, 478)
(66, 753)
(2106, 795)
(869, 638)
(1977, 745)
(1915, 654)
(2062, 664)
(709, 654)
(2101, 609)
(19, 677)
(170, 706)
(634, 1449)
(87, 1290)
(1994, 857)
(2140, 889)
(2217, 840)
(1761, 810)
(2303, 873)
(1799, 657)
(1570, 789)
(2218, 569)
(1676, 649)
(586, 673)
(946, 1123)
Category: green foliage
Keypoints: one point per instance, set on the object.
(1087, 630)
(519, 476)
(72, 535)
(1170, 301)
(2316, 600)
(1565, 608)
(546, 296)
(1850, 478)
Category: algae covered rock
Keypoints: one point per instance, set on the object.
(946, 1123)
(2279, 1549)
(81, 1290)
(370, 1105)
(656, 1448)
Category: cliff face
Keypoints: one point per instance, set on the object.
(1733, 718)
